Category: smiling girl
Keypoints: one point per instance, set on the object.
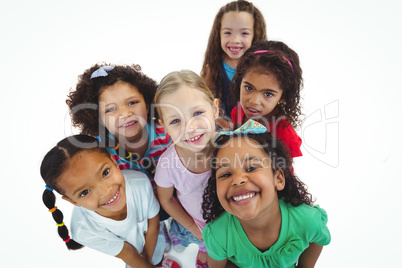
(114, 102)
(115, 211)
(259, 214)
(237, 25)
(187, 111)
(267, 84)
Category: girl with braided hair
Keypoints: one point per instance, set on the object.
(115, 211)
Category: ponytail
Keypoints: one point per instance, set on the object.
(49, 199)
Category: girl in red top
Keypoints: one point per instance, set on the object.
(268, 81)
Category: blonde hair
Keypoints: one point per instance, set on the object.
(175, 80)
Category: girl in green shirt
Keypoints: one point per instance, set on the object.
(259, 214)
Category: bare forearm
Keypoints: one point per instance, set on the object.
(151, 238)
(176, 211)
(309, 256)
(132, 258)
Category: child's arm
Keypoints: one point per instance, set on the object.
(132, 258)
(151, 238)
(310, 256)
(176, 211)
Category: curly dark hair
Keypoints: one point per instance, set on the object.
(213, 54)
(275, 63)
(295, 191)
(83, 102)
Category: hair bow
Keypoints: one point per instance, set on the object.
(102, 71)
(251, 127)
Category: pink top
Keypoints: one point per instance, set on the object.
(189, 186)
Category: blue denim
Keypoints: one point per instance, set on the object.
(185, 236)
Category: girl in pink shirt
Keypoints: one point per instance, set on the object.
(187, 110)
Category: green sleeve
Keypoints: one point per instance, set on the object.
(215, 250)
(322, 236)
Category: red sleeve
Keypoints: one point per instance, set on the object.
(288, 135)
(237, 115)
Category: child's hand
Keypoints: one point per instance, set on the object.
(196, 231)
(132, 258)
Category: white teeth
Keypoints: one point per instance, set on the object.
(128, 124)
(195, 138)
(242, 197)
(113, 198)
(235, 49)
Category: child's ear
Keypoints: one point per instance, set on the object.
(279, 180)
(161, 123)
(216, 108)
(147, 107)
(69, 200)
(113, 160)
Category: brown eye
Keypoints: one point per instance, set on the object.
(106, 172)
(84, 193)
(268, 94)
(248, 89)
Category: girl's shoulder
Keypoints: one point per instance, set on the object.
(130, 174)
(213, 227)
(225, 219)
(136, 181)
(283, 130)
(310, 220)
(308, 212)
(169, 153)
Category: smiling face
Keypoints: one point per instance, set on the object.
(259, 95)
(245, 182)
(93, 180)
(237, 33)
(123, 111)
(189, 118)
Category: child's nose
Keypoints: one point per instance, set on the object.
(125, 111)
(195, 123)
(235, 38)
(255, 99)
(239, 179)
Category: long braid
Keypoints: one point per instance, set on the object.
(49, 199)
(53, 165)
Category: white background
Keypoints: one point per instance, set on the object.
(351, 60)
